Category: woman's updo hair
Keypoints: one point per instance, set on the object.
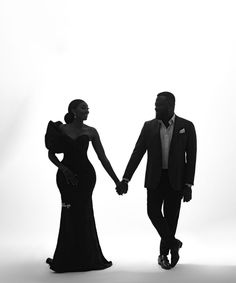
(69, 117)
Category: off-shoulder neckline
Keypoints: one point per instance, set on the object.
(76, 137)
(57, 125)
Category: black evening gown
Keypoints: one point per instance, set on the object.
(78, 247)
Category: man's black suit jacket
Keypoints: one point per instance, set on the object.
(182, 154)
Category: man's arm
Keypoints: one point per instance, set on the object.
(137, 155)
(191, 153)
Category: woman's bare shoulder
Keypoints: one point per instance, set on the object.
(92, 130)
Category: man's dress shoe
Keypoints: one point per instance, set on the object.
(175, 253)
(49, 260)
(164, 262)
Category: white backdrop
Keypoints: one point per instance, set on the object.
(116, 55)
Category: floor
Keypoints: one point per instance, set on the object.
(25, 262)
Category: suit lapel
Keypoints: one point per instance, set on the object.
(156, 130)
(155, 137)
(177, 127)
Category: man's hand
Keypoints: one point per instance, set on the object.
(122, 188)
(187, 193)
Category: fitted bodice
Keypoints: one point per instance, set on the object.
(75, 150)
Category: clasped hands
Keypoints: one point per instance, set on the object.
(122, 187)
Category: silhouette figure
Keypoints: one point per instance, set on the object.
(78, 247)
(170, 143)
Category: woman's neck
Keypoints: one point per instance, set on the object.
(78, 123)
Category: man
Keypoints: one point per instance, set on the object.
(170, 142)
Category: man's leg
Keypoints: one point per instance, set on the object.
(172, 204)
(154, 209)
(155, 199)
(171, 208)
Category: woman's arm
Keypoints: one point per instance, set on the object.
(97, 145)
(70, 176)
(55, 161)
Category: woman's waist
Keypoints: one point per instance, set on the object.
(78, 165)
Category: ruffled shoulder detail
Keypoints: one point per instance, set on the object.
(54, 138)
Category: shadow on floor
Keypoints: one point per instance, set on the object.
(38, 271)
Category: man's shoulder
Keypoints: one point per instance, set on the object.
(183, 120)
(150, 122)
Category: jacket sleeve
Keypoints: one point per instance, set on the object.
(137, 155)
(191, 153)
(53, 138)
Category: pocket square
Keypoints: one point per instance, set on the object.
(182, 131)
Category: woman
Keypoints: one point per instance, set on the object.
(78, 247)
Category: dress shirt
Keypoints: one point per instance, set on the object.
(166, 136)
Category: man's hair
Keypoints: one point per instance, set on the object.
(170, 97)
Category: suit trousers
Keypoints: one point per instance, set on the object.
(163, 207)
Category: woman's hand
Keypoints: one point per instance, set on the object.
(122, 188)
(116, 181)
(71, 178)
